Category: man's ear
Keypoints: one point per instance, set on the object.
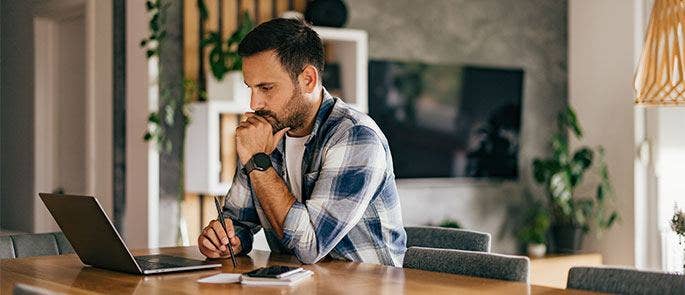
(309, 78)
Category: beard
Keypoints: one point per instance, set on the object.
(296, 113)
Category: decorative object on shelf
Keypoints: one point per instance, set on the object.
(660, 80)
(534, 227)
(226, 79)
(327, 13)
(536, 250)
(678, 226)
(331, 79)
(561, 174)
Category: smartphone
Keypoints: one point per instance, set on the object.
(276, 271)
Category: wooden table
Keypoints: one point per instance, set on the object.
(66, 274)
(552, 270)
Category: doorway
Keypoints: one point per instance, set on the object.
(61, 108)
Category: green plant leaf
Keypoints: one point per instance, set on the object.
(154, 23)
(568, 119)
(153, 118)
(202, 7)
(561, 190)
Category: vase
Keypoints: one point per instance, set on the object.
(537, 250)
(327, 13)
(567, 238)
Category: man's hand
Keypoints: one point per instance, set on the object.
(213, 240)
(255, 135)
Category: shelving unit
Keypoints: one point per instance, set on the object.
(348, 48)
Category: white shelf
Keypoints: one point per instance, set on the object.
(202, 154)
(350, 48)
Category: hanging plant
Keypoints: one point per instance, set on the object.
(223, 56)
(157, 32)
(155, 130)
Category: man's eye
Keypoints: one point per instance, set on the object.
(266, 88)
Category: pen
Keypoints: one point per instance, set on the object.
(223, 225)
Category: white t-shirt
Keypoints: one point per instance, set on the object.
(294, 151)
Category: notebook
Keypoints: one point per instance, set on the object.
(290, 280)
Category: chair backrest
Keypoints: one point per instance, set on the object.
(625, 281)
(469, 263)
(27, 245)
(447, 238)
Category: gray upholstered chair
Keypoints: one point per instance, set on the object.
(469, 263)
(27, 245)
(447, 238)
(625, 281)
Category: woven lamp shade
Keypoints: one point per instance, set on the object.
(659, 80)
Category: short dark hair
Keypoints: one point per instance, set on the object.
(295, 43)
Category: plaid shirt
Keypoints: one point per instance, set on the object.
(350, 208)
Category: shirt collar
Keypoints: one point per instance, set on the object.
(324, 110)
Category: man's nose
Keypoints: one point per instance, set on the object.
(256, 102)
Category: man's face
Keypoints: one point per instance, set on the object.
(275, 96)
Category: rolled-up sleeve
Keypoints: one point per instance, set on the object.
(353, 170)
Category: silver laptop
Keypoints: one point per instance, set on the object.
(98, 243)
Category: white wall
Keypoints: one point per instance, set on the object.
(602, 54)
(142, 194)
(99, 101)
(60, 117)
(71, 88)
(665, 132)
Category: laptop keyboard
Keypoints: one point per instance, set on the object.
(154, 262)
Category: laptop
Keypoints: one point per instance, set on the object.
(97, 243)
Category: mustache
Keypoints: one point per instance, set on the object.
(265, 113)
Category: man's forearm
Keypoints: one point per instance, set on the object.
(273, 196)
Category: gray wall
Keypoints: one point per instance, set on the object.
(16, 115)
(529, 34)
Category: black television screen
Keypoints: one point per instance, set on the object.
(446, 120)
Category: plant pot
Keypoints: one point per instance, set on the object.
(567, 239)
(231, 88)
(537, 250)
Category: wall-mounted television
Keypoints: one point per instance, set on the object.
(448, 120)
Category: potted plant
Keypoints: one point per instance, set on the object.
(560, 174)
(533, 230)
(678, 226)
(226, 79)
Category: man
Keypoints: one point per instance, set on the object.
(314, 173)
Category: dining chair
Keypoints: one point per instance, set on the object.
(469, 263)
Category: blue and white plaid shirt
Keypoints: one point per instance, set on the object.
(350, 208)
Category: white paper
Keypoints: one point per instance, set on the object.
(222, 278)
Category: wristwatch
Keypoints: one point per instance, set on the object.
(260, 161)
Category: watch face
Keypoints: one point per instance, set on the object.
(262, 161)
